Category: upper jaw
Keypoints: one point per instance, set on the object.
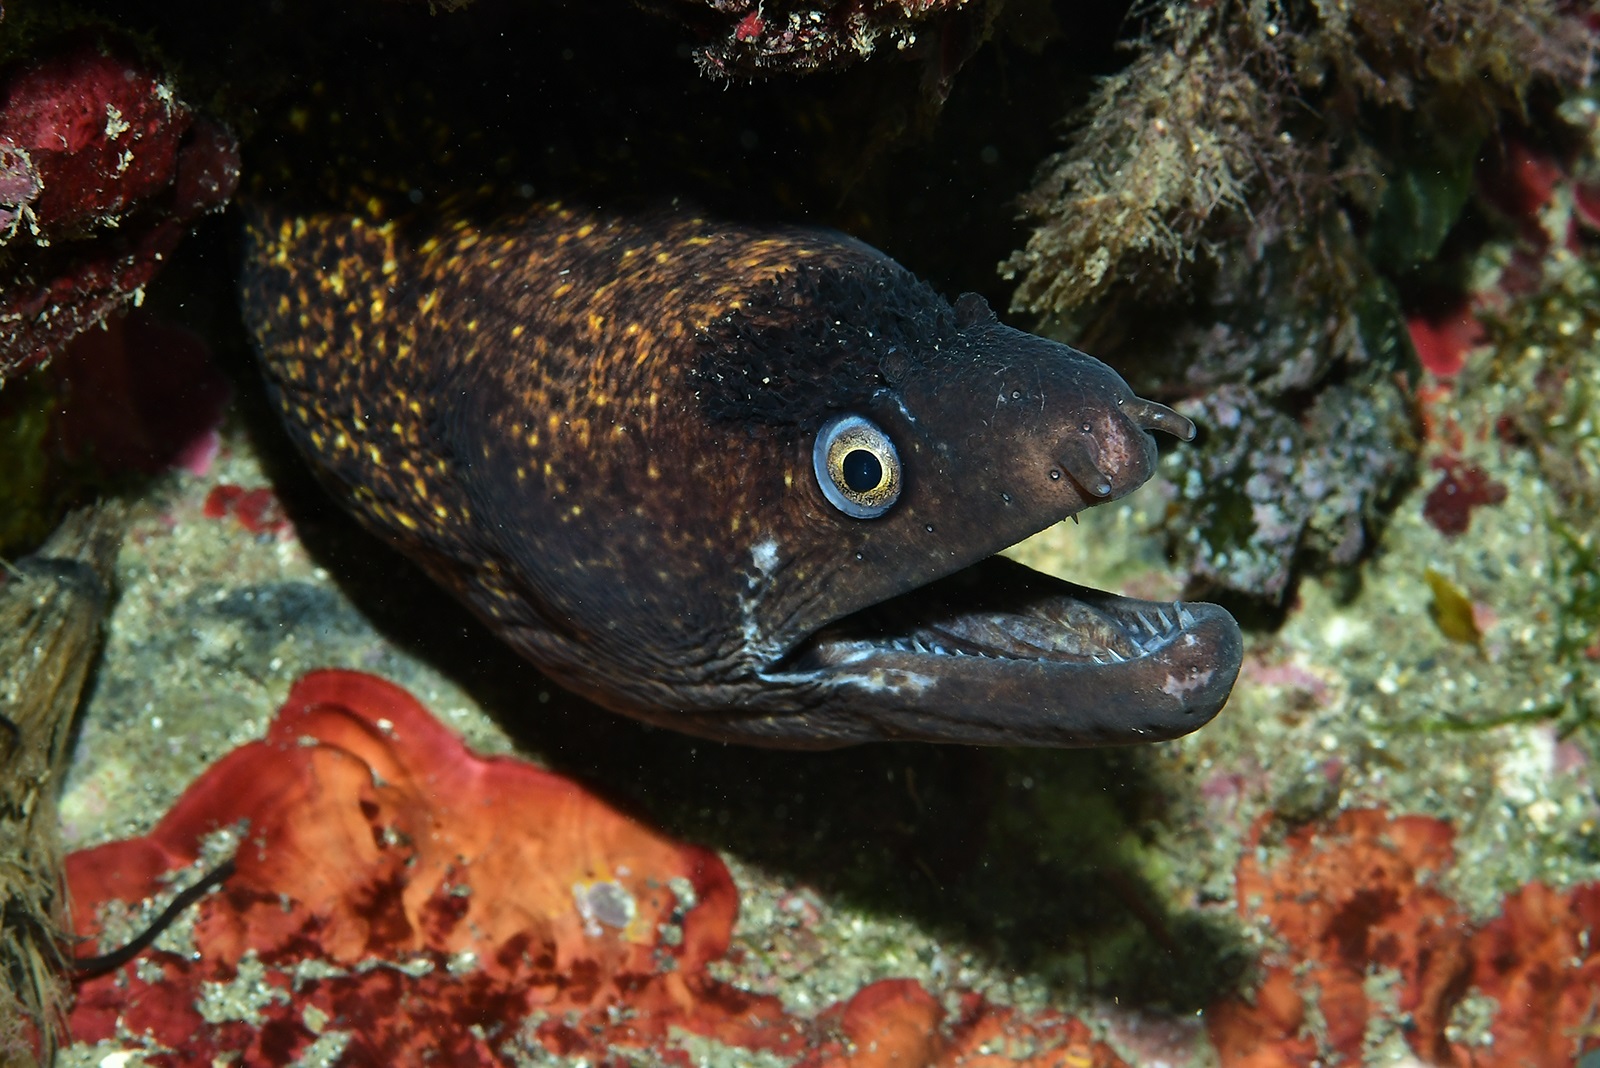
(999, 654)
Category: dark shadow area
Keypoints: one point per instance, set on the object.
(395, 104)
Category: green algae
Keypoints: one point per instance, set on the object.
(29, 505)
(1577, 569)
(1422, 200)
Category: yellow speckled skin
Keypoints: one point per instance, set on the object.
(596, 429)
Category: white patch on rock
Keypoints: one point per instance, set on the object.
(604, 903)
(1523, 772)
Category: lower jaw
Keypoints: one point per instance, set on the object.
(1096, 669)
(1000, 610)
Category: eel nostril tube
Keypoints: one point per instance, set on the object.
(1153, 416)
(1084, 471)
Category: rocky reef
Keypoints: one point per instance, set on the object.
(103, 168)
(1366, 262)
(1250, 211)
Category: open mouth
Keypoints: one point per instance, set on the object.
(1002, 610)
(1036, 659)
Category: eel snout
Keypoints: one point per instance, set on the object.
(995, 653)
(1110, 452)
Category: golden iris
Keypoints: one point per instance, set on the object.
(857, 467)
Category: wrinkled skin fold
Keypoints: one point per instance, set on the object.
(597, 430)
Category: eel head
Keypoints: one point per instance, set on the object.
(875, 606)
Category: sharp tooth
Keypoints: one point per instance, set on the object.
(1096, 658)
(1116, 657)
(1185, 617)
(1142, 618)
(1166, 624)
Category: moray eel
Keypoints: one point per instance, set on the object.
(744, 482)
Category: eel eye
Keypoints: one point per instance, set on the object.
(857, 467)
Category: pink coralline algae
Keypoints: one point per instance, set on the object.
(398, 899)
(102, 170)
(1443, 337)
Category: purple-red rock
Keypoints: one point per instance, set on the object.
(102, 170)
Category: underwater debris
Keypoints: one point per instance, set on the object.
(750, 38)
(52, 605)
(1451, 609)
(102, 170)
(1373, 962)
(1233, 215)
(407, 898)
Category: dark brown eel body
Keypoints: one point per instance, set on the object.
(598, 430)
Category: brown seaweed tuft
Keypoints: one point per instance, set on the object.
(1237, 126)
(1166, 148)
